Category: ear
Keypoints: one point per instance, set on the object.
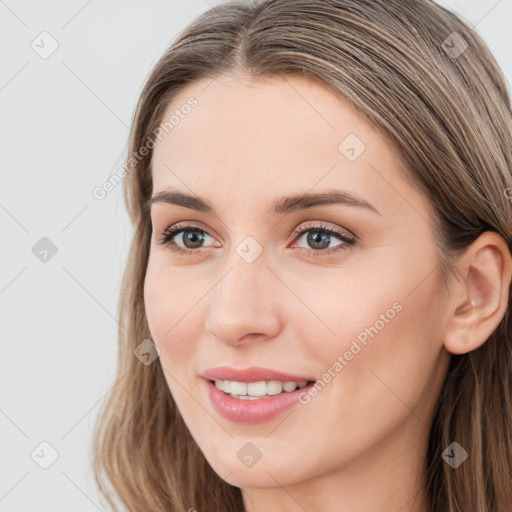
(480, 298)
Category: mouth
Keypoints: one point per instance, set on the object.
(254, 402)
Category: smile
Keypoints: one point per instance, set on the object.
(246, 408)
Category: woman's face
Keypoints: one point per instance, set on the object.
(260, 284)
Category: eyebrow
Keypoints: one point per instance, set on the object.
(283, 205)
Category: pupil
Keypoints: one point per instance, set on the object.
(316, 237)
(193, 237)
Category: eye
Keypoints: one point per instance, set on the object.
(319, 237)
(190, 236)
(188, 239)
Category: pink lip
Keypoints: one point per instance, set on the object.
(252, 374)
(252, 411)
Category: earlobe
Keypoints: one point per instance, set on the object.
(481, 296)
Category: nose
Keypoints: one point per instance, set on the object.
(245, 303)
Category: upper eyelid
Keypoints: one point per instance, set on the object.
(180, 227)
(185, 225)
(321, 224)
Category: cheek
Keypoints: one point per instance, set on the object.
(172, 305)
(174, 326)
(381, 322)
(346, 305)
(389, 356)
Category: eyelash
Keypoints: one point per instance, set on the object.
(169, 234)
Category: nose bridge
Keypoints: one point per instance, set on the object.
(244, 300)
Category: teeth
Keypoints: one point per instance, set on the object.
(274, 387)
(239, 388)
(290, 386)
(255, 390)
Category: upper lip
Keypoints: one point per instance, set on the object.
(252, 374)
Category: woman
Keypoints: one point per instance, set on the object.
(315, 308)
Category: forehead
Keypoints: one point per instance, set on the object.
(276, 117)
(255, 138)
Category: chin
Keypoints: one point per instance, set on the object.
(264, 473)
(254, 478)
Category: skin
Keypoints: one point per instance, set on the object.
(360, 443)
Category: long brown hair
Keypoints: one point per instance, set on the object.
(424, 78)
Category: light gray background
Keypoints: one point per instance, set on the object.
(65, 122)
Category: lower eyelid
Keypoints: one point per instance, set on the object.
(345, 240)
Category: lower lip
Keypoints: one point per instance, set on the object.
(252, 411)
